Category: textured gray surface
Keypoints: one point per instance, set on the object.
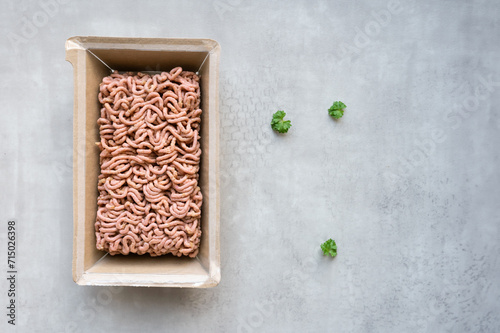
(407, 182)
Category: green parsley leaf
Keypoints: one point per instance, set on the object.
(278, 124)
(329, 248)
(337, 109)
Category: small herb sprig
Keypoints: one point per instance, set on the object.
(329, 248)
(278, 124)
(337, 110)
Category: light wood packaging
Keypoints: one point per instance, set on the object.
(92, 58)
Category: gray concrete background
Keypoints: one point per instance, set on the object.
(406, 182)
